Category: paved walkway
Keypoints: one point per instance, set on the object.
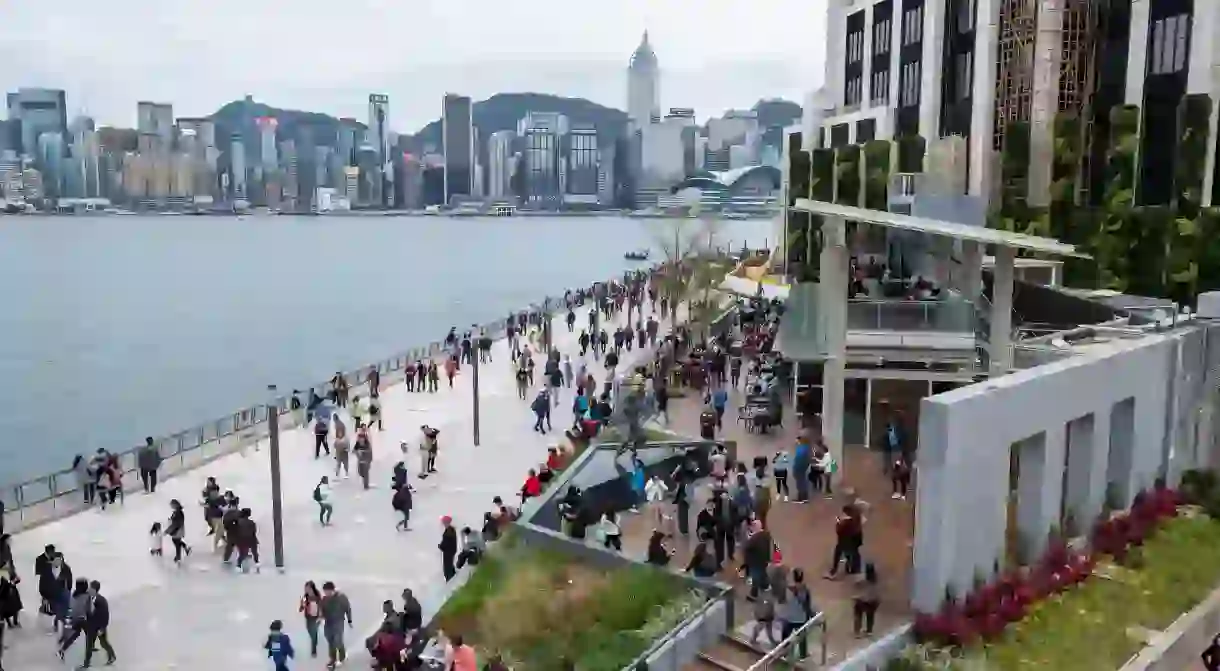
(200, 616)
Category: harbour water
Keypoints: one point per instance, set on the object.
(114, 328)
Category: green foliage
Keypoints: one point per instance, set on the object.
(1208, 252)
(1117, 236)
(1178, 568)
(1016, 214)
(538, 607)
(877, 174)
(798, 222)
(1184, 245)
(847, 174)
(1146, 258)
(822, 175)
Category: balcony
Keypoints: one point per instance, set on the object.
(948, 326)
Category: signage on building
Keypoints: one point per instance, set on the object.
(379, 99)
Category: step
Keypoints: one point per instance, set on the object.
(732, 653)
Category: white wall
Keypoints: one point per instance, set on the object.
(965, 438)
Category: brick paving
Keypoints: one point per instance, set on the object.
(805, 532)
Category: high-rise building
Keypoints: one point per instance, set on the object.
(348, 140)
(967, 68)
(39, 111)
(237, 168)
(291, 176)
(204, 129)
(500, 158)
(542, 154)
(379, 138)
(269, 157)
(549, 121)
(156, 119)
(582, 162)
(457, 133)
(51, 155)
(643, 85)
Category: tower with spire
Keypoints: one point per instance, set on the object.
(643, 85)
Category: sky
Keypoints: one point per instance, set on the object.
(327, 56)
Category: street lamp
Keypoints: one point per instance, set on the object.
(277, 499)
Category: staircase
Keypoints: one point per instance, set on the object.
(733, 651)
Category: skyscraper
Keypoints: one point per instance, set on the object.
(581, 159)
(156, 119)
(39, 111)
(643, 85)
(457, 125)
(237, 167)
(500, 160)
(267, 144)
(379, 136)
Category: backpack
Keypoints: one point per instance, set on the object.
(317, 493)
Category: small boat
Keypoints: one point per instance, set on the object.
(638, 255)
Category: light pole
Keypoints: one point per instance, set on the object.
(474, 360)
(277, 503)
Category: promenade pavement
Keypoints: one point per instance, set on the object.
(204, 616)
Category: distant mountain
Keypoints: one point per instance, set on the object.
(499, 112)
(503, 110)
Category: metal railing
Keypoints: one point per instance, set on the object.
(947, 315)
(58, 494)
(785, 655)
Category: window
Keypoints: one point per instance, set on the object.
(853, 91)
(965, 16)
(880, 92)
(1168, 51)
(866, 130)
(881, 38)
(909, 96)
(855, 46)
(964, 74)
(912, 26)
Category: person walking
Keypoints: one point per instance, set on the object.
(149, 461)
(310, 608)
(335, 609)
(77, 613)
(402, 503)
(321, 429)
(279, 646)
(796, 610)
(97, 622)
(176, 530)
(448, 547)
(434, 377)
(322, 496)
(364, 456)
(343, 446)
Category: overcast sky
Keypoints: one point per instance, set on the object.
(327, 56)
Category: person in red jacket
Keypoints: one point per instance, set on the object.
(532, 486)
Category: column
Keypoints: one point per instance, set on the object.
(1048, 41)
(1202, 78)
(1001, 312)
(868, 412)
(970, 277)
(833, 316)
(982, 117)
(1137, 52)
(931, 62)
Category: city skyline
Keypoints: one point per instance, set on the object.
(713, 61)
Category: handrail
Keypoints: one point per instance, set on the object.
(700, 612)
(193, 447)
(779, 655)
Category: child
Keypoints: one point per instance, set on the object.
(155, 534)
(279, 646)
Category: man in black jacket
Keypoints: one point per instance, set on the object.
(96, 623)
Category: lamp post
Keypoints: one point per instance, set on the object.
(277, 503)
(474, 361)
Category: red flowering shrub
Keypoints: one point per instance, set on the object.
(986, 612)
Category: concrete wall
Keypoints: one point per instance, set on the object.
(1117, 416)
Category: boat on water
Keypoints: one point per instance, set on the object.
(638, 255)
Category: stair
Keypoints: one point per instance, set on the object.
(732, 653)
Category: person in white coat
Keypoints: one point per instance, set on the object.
(655, 491)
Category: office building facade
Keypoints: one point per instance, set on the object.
(457, 134)
(500, 163)
(379, 138)
(581, 175)
(643, 85)
(38, 111)
(973, 67)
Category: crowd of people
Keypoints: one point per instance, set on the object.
(344, 424)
